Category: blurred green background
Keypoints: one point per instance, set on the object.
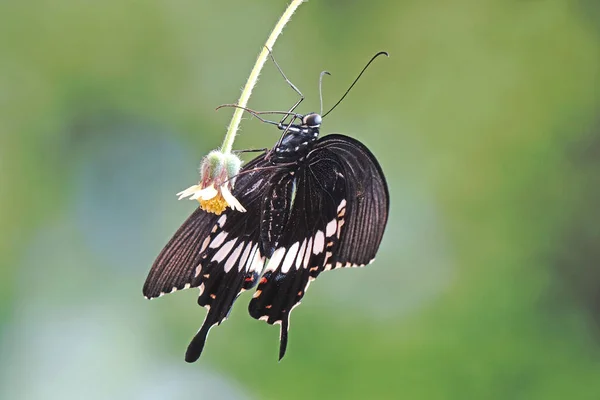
(485, 119)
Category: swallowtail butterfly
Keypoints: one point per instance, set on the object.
(313, 204)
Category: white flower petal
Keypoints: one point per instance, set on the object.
(195, 192)
(205, 194)
(231, 200)
(188, 192)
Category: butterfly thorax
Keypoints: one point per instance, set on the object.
(298, 139)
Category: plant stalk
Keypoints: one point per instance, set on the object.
(253, 78)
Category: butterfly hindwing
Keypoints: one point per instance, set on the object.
(307, 242)
(231, 264)
(220, 254)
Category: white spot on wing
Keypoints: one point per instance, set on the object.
(331, 227)
(222, 220)
(257, 262)
(205, 244)
(244, 257)
(233, 257)
(308, 251)
(251, 258)
(319, 243)
(342, 205)
(223, 251)
(289, 258)
(300, 254)
(218, 240)
(275, 259)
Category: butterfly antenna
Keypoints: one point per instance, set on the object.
(258, 113)
(356, 80)
(321, 88)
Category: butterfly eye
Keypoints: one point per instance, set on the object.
(312, 120)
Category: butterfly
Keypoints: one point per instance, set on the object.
(313, 204)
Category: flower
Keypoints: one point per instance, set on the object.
(213, 192)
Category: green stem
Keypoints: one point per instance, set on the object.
(253, 78)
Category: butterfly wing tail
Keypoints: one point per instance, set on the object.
(219, 304)
(283, 335)
(196, 346)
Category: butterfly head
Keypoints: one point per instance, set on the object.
(312, 120)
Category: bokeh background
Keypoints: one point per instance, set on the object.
(485, 119)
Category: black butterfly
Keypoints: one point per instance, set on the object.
(312, 205)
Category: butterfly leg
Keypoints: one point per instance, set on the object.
(250, 151)
(289, 83)
(286, 78)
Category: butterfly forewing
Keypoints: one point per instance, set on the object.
(230, 265)
(365, 211)
(175, 266)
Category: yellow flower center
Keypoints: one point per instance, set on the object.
(216, 205)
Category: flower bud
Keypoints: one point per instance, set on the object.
(217, 177)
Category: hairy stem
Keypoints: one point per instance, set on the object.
(253, 78)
